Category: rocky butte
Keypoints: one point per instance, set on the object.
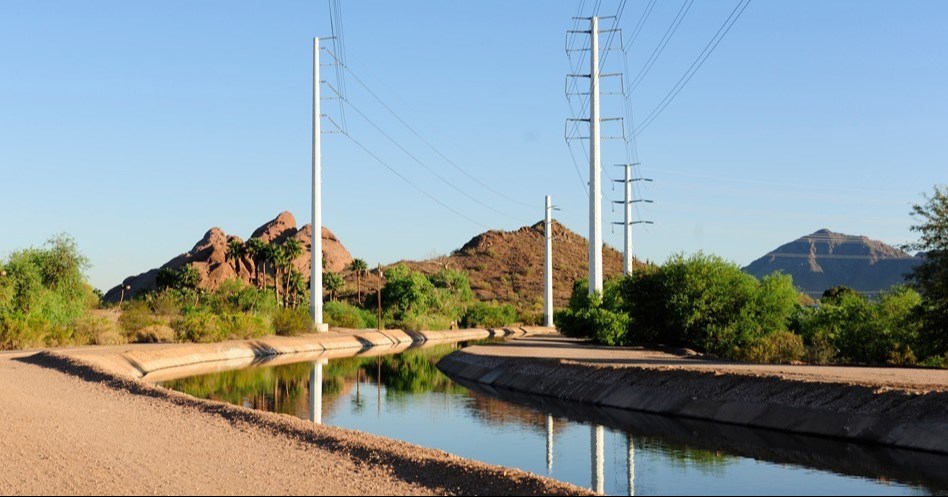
(209, 257)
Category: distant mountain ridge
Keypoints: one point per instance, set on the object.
(826, 259)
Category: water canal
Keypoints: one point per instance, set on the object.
(404, 396)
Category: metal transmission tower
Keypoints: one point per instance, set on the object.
(628, 221)
(595, 153)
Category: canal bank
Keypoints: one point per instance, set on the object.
(887, 406)
(158, 362)
(71, 428)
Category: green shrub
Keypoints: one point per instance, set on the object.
(136, 315)
(588, 318)
(781, 347)
(426, 322)
(292, 322)
(243, 326)
(98, 330)
(199, 327)
(489, 315)
(343, 315)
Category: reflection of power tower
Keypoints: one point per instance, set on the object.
(595, 142)
(628, 220)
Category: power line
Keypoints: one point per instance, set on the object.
(666, 38)
(428, 143)
(696, 65)
(421, 163)
(410, 183)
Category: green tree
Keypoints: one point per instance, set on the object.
(360, 268)
(235, 252)
(406, 293)
(931, 276)
(281, 261)
(333, 283)
(255, 249)
(836, 294)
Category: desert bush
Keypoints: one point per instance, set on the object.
(243, 326)
(291, 322)
(136, 315)
(343, 315)
(781, 347)
(198, 327)
(488, 315)
(98, 330)
(156, 333)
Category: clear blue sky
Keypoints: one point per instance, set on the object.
(136, 126)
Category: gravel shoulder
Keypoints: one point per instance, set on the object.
(69, 428)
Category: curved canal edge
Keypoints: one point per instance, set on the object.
(159, 362)
(430, 469)
(880, 415)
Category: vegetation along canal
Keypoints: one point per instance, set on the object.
(404, 396)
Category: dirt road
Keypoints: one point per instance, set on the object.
(67, 429)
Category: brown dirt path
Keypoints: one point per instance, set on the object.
(556, 347)
(68, 429)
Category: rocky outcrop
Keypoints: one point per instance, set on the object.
(209, 257)
(826, 259)
(507, 266)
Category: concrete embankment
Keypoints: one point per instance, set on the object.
(898, 408)
(160, 362)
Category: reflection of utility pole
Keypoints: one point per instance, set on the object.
(380, 297)
(549, 444)
(378, 383)
(316, 391)
(631, 446)
(596, 434)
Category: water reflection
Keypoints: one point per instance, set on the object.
(511, 429)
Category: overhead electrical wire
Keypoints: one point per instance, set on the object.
(657, 52)
(410, 183)
(428, 143)
(696, 65)
(421, 163)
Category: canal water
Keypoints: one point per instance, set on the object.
(404, 396)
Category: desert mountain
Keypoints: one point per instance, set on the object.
(826, 259)
(209, 257)
(507, 266)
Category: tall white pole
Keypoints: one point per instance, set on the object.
(628, 219)
(548, 264)
(316, 253)
(598, 454)
(595, 163)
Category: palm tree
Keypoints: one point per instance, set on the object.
(235, 251)
(293, 249)
(254, 248)
(268, 253)
(360, 267)
(280, 262)
(296, 286)
(333, 283)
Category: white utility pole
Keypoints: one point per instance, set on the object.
(627, 223)
(595, 166)
(316, 252)
(548, 265)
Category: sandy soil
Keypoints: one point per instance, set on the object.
(70, 429)
(575, 351)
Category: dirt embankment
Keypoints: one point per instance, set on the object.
(70, 428)
(900, 408)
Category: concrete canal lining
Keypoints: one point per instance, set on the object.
(159, 362)
(898, 417)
